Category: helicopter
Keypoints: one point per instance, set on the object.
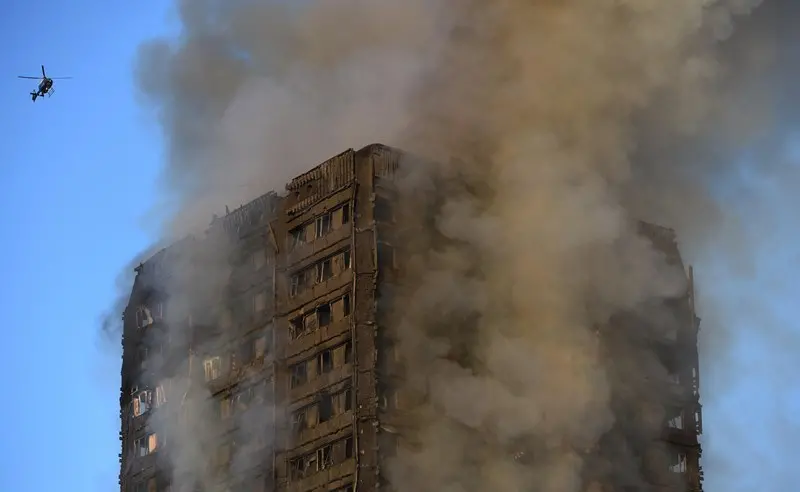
(45, 86)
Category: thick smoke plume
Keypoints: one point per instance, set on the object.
(557, 124)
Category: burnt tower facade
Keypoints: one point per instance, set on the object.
(254, 357)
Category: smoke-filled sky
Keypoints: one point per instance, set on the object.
(634, 105)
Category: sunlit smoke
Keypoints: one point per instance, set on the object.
(568, 121)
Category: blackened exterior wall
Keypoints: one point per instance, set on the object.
(293, 345)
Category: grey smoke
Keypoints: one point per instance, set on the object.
(570, 120)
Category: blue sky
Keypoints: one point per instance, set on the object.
(750, 365)
(79, 172)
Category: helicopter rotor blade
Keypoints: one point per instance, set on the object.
(26, 77)
(59, 78)
(43, 74)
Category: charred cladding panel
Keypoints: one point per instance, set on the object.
(198, 357)
(262, 356)
(315, 438)
(652, 367)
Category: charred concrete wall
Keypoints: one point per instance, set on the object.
(265, 354)
(198, 360)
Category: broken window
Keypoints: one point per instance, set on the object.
(311, 464)
(346, 302)
(340, 308)
(340, 355)
(260, 301)
(675, 418)
(324, 271)
(348, 447)
(157, 311)
(317, 460)
(294, 287)
(297, 468)
(340, 216)
(348, 352)
(145, 445)
(324, 314)
(161, 396)
(385, 256)
(299, 421)
(339, 403)
(141, 403)
(299, 374)
(325, 409)
(310, 322)
(140, 448)
(296, 237)
(213, 368)
(678, 462)
(340, 262)
(344, 401)
(302, 466)
(143, 317)
(324, 457)
(325, 361)
(242, 399)
(296, 328)
(323, 225)
(345, 213)
(260, 347)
